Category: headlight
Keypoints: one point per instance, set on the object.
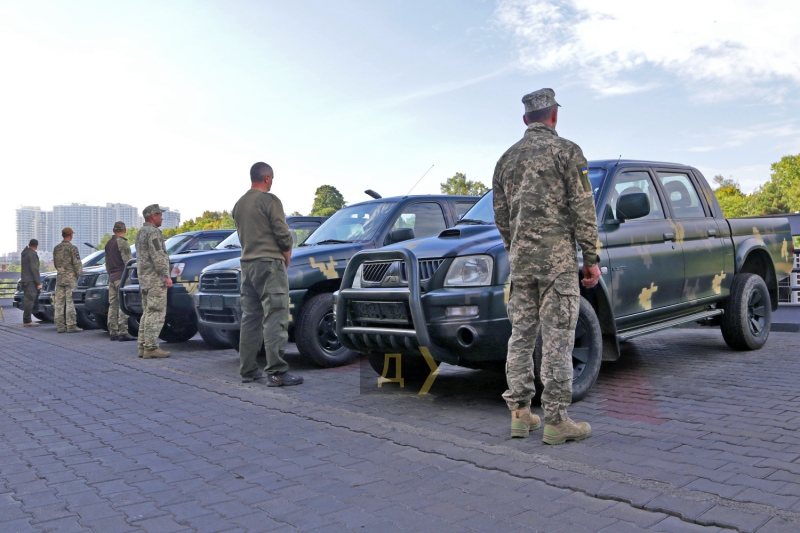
(357, 279)
(470, 271)
(176, 269)
(102, 280)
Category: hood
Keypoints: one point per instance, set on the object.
(233, 263)
(201, 259)
(460, 240)
(100, 269)
(301, 256)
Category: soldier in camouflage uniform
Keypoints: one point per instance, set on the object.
(118, 253)
(153, 270)
(543, 204)
(67, 261)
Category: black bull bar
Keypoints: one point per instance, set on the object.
(378, 339)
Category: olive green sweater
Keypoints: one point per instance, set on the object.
(261, 225)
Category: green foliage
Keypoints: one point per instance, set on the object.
(327, 201)
(209, 220)
(779, 195)
(295, 214)
(732, 200)
(104, 241)
(14, 268)
(459, 184)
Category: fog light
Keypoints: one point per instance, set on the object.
(466, 310)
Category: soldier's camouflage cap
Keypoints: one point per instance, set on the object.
(541, 99)
(119, 226)
(66, 231)
(151, 210)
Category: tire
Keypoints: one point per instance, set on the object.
(748, 313)
(587, 353)
(49, 315)
(233, 338)
(102, 321)
(216, 338)
(412, 367)
(41, 315)
(177, 331)
(316, 335)
(85, 319)
(133, 326)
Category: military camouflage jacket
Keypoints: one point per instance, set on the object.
(151, 257)
(67, 261)
(543, 204)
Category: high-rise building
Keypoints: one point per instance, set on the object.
(171, 219)
(90, 224)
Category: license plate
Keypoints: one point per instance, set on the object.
(394, 312)
(212, 302)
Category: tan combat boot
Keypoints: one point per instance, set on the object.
(74, 329)
(523, 422)
(566, 430)
(155, 353)
(141, 351)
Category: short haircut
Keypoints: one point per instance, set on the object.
(33, 242)
(259, 171)
(540, 115)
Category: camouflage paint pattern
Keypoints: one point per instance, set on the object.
(117, 320)
(549, 303)
(67, 261)
(152, 261)
(154, 306)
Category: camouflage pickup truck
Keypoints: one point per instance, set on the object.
(667, 257)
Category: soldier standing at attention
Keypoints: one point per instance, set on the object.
(31, 281)
(266, 251)
(152, 263)
(118, 253)
(543, 204)
(67, 261)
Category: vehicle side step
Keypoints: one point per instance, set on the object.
(652, 328)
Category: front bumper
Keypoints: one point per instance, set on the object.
(96, 300)
(454, 340)
(224, 311)
(179, 300)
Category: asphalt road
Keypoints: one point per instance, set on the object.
(688, 436)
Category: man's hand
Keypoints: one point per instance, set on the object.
(287, 256)
(169, 282)
(591, 275)
(38, 287)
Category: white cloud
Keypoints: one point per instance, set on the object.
(717, 47)
(733, 138)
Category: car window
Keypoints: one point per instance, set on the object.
(301, 230)
(354, 223)
(463, 207)
(174, 243)
(94, 259)
(231, 241)
(681, 195)
(425, 218)
(206, 243)
(638, 181)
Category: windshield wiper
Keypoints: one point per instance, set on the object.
(333, 241)
(232, 246)
(472, 221)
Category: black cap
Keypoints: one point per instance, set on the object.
(33, 242)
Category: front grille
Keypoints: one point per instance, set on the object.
(220, 282)
(427, 268)
(374, 272)
(218, 316)
(86, 280)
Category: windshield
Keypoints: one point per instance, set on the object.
(94, 259)
(352, 224)
(596, 177)
(231, 241)
(174, 243)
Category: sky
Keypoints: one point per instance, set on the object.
(172, 102)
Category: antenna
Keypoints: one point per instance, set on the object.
(417, 183)
(617, 163)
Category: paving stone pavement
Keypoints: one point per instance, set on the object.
(688, 436)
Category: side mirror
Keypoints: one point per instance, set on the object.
(401, 234)
(632, 205)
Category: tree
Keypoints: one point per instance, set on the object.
(459, 184)
(295, 214)
(781, 194)
(732, 200)
(327, 201)
(209, 220)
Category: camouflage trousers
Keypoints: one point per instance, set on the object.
(29, 300)
(117, 320)
(550, 304)
(154, 307)
(265, 315)
(65, 307)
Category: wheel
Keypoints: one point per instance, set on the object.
(85, 319)
(177, 331)
(233, 338)
(102, 321)
(748, 313)
(316, 333)
(412, 367)
(49, 314)
(587, 353)
(133, 326)
(216, 338)
(41, 315)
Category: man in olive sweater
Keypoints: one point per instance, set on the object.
(31, 281)
(264, 297)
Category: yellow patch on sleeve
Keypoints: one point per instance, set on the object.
(587, 186)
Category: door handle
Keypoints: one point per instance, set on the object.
(669, 236)
(712, 233)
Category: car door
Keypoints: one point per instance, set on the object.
(698, 234)
(646, 264)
